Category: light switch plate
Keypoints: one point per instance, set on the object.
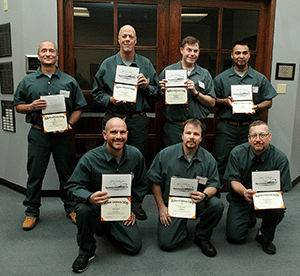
(281, 88)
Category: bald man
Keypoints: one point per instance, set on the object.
(47, 80)
(85, 188)
(133, 113)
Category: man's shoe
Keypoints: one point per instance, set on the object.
(29, 223)
(81, 262)
(267, 247)
(141, 214)
(72, 216)
(206, 247)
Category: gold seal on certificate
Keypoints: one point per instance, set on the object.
(55, 122)
(125, 87)
(116, 209)
(242, 98)
(181, 207)
(54, 115)
(267, 186)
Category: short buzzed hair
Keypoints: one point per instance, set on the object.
(194, 122)
(189, 40)
(258, 123)
(240, 42)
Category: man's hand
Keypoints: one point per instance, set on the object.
(162, 84)
(116, 102)
(142, 81)
(228, 101)
(248, 195)
(38, 105)
(197, 196)
(191, 86)
(130, 222)
(163, 216)
(99, 198)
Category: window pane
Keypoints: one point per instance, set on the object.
(202, 24)
(93, 23)
(143, 18)
(239, 25)
(208, 61)
(88, 63)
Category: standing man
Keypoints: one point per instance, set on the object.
(257, 155)
(85, 187)
(232, 129)
(201, 95)
(47, 80)
(134, 114)
(187, 160)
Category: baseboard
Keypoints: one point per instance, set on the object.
(22, 190)
(296, 181)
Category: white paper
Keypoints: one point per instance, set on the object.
(55, 122)
(268, 200)
(242, 107)
(116, 209)
(176, 78)
(263, 181)
(125, 92)
(55, 104)
(117, 184)
(127, 74)
(241, 92)
(176, 95)
(181, 207)
(182, 186)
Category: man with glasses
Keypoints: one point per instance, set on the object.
(256, 155)
(232, 130)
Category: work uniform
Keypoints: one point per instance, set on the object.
(172, 161)
(232, 130)
(87, 179)
(133, 113)
(40, 144)
(242, 161)
(177, 114)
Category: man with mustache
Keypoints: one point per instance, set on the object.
(187, 160)
(256, 155)
(232, 130)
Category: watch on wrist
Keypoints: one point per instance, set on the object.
(206, 196)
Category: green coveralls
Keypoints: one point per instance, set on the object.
(228, 136)
(103, 90)
(40, 144)
(87, 179)
(194, 109)
(241, 162)
(171, 161)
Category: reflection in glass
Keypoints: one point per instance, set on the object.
(201, 23)
(93, 23)
(208, 61)
(144, 20)
(239, 25)
(152, 55)
(88, 63)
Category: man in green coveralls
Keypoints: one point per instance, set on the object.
(187, 160)
(85, 187)
(257, 155)
(232, 130)
(47, 80)
(201, 94)
(133, 113)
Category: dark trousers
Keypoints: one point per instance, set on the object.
(40, 147)
(127, 238)
(227, 137)
(137, 130)
(239, 216)
(210, 213)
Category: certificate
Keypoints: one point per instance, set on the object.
(127, 74)
(180, 207)
(176, 95)
(268, 200)
(55, 104)
(116, 209)
(125, 92)
(242, 98)
(55, 122)
(117, 184)
(176, 78)
(182, 186)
